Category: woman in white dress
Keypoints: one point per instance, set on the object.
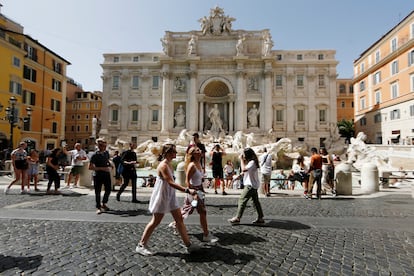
(163, 200)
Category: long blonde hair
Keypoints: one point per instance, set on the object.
(166, 149)
(189, 157)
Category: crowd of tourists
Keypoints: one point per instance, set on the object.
(254, 173)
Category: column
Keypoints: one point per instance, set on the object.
(201, 115)
(166, 103)
(192, 102)
(231, 115)
(290, 113)
(241, 102)
(266, 110)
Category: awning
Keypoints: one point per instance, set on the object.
(395, 137)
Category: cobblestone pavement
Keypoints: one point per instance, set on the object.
(48, 235)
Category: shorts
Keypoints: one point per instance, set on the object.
(33, 169)
(76, 170)
(218, 173)
(229, 176)
(21, 164)
(266, 178)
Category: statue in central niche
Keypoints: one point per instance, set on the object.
(216, 122)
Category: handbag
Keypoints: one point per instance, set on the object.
(120, 168)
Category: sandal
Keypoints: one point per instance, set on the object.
(234, 220)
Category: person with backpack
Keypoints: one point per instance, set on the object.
(266, 171)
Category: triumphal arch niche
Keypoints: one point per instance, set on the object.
(218, 77)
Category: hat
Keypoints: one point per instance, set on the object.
(100, 140)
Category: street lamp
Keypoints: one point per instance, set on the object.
(12, 117)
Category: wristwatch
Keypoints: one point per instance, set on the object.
(187, 190)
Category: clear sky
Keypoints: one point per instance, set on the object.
(81, 31)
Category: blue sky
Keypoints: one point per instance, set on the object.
(81, 31)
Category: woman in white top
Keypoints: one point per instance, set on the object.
(193, 180)
(20, 166)
(163, 200)
(249, 167)
(228, 173)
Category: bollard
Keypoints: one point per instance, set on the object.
(386, 180)
(85, 178)
(8, 166)
(180, 174)
(343, 178)
(369, 178)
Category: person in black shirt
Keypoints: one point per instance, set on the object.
(129, 160)
(116, 159)
(196, 142)
(52, 167)
(217, 154)
(101, 166)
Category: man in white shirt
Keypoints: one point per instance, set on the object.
(78, 155)
(266, 171)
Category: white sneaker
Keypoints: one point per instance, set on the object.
(6, 190)
(143, 250)
(210, 238)
(192, 247)
(172, 226)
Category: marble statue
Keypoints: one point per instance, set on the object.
(227, 25)
(252, 116)
(179, 117)
(179, 84)
(216, 23)
(360, 153)
(335, 143)
(252, 83)
(240, 45)
(216, 122)
(183, 138)
(204, 24)
(164, 43)
(250, 140)
(267, 44)
(192, 46)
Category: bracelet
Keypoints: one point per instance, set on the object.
(187, 191)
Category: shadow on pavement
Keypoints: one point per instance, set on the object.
(66, 193)
(213, 254)
(128, 213)
(285, 224)
(23, 263)
(280, 224)
(236, 238)
(222, 206)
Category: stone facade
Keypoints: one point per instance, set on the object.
(255, 88)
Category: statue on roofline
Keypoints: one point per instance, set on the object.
(216, 23)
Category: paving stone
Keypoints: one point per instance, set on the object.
(298, 240)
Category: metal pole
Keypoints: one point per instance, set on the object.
(11, 121)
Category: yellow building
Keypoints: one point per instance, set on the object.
(344, 100)
(11, 77)
(384, 87)
(81, 109)
(36, 77)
